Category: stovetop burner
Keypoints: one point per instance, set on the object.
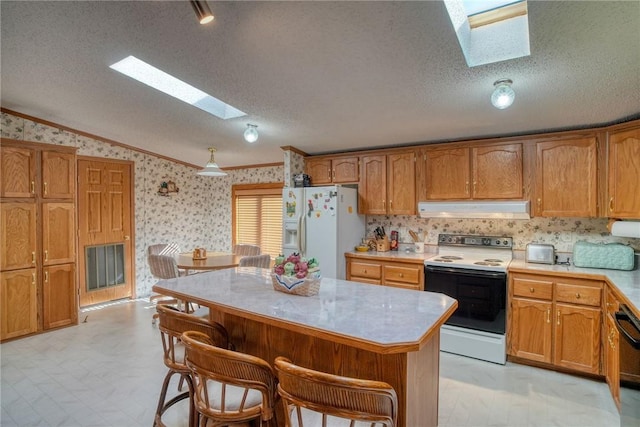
(473, 252)
(451, 257)
(443, 259)
(492, 264)
(493, 260)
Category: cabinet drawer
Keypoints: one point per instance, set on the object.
(394, 273)
(532, 288)
(578, 294)
(363, 269)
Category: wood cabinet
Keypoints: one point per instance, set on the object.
(566, 178)
(387, 184)
(332, 170)
(555, 320)
(471, 172)
(624, 174)
(389, 271)
(611, 346)
(37, 261)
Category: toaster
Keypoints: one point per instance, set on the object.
(540, 253)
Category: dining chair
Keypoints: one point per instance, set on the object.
(229, 387)
(262, 261)
(163, 267)
(172, 323)
(313, 398)
(243, 249)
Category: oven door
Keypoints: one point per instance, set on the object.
(481, 296)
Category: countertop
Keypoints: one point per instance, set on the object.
(387, 319)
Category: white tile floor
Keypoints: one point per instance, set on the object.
(108, 371)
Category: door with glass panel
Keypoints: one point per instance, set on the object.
(105, 227)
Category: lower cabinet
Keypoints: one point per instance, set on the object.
(556, 320)
(18, 301)
(59, 296)
(389, 272)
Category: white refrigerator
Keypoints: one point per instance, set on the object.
(322, 223)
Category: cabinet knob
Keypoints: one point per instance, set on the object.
(577, 295)
(33, 187)
(33, 258)
(365, 272)
(611, 204)
(548, 315)
(401, 274)
(33, 278)
(46, 255)
(532, 290)
(558, 317)
(46, 276)
(45, 187)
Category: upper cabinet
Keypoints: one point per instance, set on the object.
(58, 175)
(566, 178)
(624, 174)
(387, 184)
(471, 172)
(332, 170)
(18, 175)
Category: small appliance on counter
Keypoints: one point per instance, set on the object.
(540, 253)
(613, 256)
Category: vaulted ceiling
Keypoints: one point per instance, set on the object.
(319, 76)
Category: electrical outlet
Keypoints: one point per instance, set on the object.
(563, 259)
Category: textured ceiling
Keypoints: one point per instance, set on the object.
(319, 76)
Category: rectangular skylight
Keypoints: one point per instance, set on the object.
(158, 79)
(473, 7)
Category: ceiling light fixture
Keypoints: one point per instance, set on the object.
(251, 133)
(212, 168)
(202, 11)
(502, 96)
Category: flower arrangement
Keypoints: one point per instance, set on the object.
(296, 275)
(295, 265)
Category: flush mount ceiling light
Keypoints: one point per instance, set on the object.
(212, 168)
(251, 133)
(202, 11)
(502, 96)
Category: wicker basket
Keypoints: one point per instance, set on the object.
(308, 286)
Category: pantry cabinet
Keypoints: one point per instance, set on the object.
(387, 184)
(37, 261)
(471, 172)
(388, 271)
(332, 170)
(624, 174)
(555, 320)
(566, 178)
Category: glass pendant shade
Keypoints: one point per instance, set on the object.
(212, 168)
(502, 96)
(251, 133)
(202, 11)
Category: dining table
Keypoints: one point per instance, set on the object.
(213, 261)
(349, 328)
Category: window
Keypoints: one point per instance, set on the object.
(257, 216)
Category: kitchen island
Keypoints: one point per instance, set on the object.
(352, 329)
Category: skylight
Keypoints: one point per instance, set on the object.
(158, 79)
(473, 7)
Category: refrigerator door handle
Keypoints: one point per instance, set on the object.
(303, 235)
(299, 234)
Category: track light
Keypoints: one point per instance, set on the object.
(202, 11)
(502, 96)
(212, 168)
(251, 133)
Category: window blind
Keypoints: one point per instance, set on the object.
(258, 220)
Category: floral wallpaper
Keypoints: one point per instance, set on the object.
(293, 165)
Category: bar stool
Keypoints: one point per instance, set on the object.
(313, 398)
(229, 387)
(172, 323)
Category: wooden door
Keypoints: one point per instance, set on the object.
(624, 174)
(566, 177)
(18, 174)
(58, 175)
(531, 330)
(577, 337)
(319, 170)
(447, 174)
(401, 183)
(60, 307)
(19, 303)
(105, 218)
(497, 172)
(58, 233)
(373, 185)
(345, 169)
(18, 236)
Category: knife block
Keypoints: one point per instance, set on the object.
(382, 245)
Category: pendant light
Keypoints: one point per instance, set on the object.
(251, 133)
(502, 96)
(212, 168)
(202, 11)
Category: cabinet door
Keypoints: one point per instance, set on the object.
(447, 174)
(319, 170)
(530, 330)
(60, 307)
(373, 185)
(497, 172)
(345, 169)
(58, 233)
(566, 178)
(624, 174)
(18, 236)
(577, 338)
(18, 300)
(401, 184)
(58, 175)
(612, 358)
(18, 175)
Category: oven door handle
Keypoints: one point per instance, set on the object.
(462, 271)
(625, 316)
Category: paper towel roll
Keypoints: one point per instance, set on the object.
(626, 229)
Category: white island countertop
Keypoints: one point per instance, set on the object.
(378, 318)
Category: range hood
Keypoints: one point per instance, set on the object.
(517, 209)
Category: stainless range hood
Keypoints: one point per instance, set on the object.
(517, 209)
